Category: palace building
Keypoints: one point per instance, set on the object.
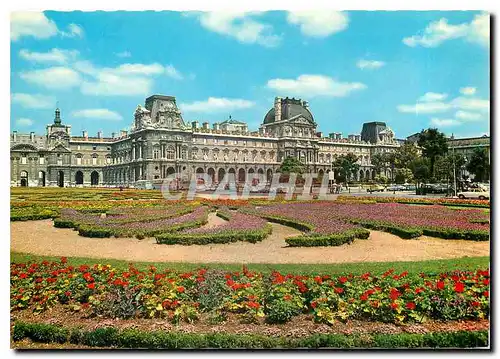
(160, 143)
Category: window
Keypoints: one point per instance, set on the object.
(235, 142)
(184, 153)
(170, 153)
(108, 148)
(23, 159)
(215, 140)
(42, 160)
(108, 160)
(156, 153)
(94, 147)
(59, 159)
(78, 147)
(225, 142)
(78, 159)
(94, 159)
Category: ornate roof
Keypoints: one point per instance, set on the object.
(289, 108)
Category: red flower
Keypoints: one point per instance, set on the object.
(459, 287)
(287, 297)
(314, 305)
(364, 297)
(343, 280)
(476, 304)
(394, 305)
(394, 294)
(23, 276)
(230, 282)
(339, 290)
(91, 286)
(318, 279)
(64, 260)
(419, 290)
(375, 304)
(486, 294)
(486, 282)
(440, 285)
(254, 305)
(180, 289)
(410, 306)
(67, 293)
(85, 305)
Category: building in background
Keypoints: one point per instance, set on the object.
(160, 143)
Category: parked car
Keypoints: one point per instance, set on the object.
(409, 187)
(396, 187)
(474, 193)
(375, 188)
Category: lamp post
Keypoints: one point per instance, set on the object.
(454, 170)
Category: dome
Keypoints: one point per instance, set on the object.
(289, 109)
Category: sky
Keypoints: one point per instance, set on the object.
(411, 70)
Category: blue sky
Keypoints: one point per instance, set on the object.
(412, 70)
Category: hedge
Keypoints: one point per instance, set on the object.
(136, 339)
(253, 236)
(317, 240)
(301, 226)
(403, 232)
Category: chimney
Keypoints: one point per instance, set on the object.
(112, 135)
(332, 135)
(338, 136)
(32, 136)
(14, 136)
(319, 134)
(85, 134)
(99, 134)
(358, 138)
(305, 104)
(123, 133)
(350, 137)
(206, 126)
(277, 109)
(216, 126)
(195, 124)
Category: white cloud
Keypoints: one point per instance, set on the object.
(57, 56)
(106, 84)
(137, 69)
(33, 101)
(74, 30)
(471, 104)
(215, 104)
(124, 54)
(314, 85)
(370, 64)
(53, 77)
(172, 72)
(319, 23)
(98, 114)
(447, 122)
(35, 24)
(241, 26)
(468, 116)
(425, 107)
(437, 32)
(433, 96)
(468, 91)
(24, 121)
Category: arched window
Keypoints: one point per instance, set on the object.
(156, 153)
(94, 159)
(184, 153)
(79, 159)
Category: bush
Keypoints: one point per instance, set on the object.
(318, 240)
(94, 231)
(136, 339)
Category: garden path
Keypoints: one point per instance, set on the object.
(42, 238)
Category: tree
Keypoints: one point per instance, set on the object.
(403, 175)
(479, 164)
(346, 165)
(444, 166)
(291, 165)
(379, 162)
(433, 144)
(406, 154)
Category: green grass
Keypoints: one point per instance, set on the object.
(429, 266)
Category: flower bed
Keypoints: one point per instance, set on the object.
(109, 293)
(239, 227)
(335, 223)
(431, 200)
(130, 222)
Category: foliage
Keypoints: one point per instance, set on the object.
(433, 144)
(346, 165)
(403, 175)
(136, 339)
(405, 155)
(479, 164)
(291, 165)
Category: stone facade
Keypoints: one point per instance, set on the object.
(160, 143)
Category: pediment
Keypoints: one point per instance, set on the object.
(24, 147)
(60, 148)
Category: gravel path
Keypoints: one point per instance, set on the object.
(40, 237)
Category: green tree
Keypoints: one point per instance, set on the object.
(421, 170)
(406, 154)
(479, 164)
(346, 165)
(403, 175)
(433, 144)
(379, 162)
(444, 165)
(291, 165)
